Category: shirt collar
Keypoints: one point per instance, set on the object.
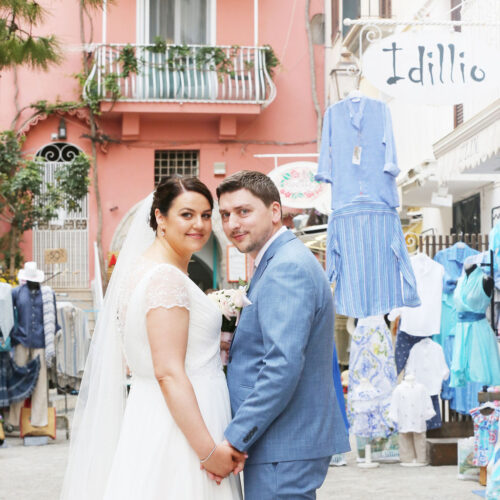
(356, 116)
(262, 251)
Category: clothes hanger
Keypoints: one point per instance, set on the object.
(355, 95)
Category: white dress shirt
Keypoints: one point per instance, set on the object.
(410, 407)
(424, 320)
(262, 251)
(426, 362)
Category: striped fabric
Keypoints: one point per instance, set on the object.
(49, 323)
(368, 259)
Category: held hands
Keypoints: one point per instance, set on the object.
(224, 460)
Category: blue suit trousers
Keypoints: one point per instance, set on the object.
(295, 480)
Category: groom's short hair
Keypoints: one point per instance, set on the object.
(259, 184)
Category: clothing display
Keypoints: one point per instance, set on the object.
(71, 344)
(358, 154)
(411, 406)
(49, 322)
(16, 382)
(485, 433)
(462, 399)
(494, 245)
(39, 396)
(475, 353)
(372, 358)
(426, 362)
(434, 422)
(412, 447)
(424, 320)
(404, 344)
(6, 310)
(368, 259)
(367, 407)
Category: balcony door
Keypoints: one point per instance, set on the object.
(176, 21)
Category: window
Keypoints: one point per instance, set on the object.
(467, 215)
(458, 115)
(182, 162)
(385, 9)
(179, 21)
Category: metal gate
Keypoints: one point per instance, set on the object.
(68, 231)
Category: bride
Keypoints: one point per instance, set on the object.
(154, 443)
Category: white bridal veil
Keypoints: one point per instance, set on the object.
(101, 401)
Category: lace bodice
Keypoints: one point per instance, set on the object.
(156, 285)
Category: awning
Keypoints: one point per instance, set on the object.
(472, 148)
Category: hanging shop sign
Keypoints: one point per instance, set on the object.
(431, 67)
(296, 184)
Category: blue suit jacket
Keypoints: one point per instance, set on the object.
(280, 370)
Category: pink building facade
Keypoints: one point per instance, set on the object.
(189, 120)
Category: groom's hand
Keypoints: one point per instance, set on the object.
(239, 458)
(225, 460)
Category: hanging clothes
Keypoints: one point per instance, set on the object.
(462, 399)
(358, 154)
(485, 434)
(6, 309)
(475, 352)
(424, 320)
(411, 406)
(72, 344)
(494, 244)
(372, 358)
(16, 382)
(426, 362)
(368, 260)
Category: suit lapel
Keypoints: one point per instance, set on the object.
(268, 255)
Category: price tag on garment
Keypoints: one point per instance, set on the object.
(356, 155)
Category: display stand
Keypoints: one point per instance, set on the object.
(368, 464)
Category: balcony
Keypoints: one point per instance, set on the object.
(181, 74)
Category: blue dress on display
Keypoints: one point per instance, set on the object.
(475, 352)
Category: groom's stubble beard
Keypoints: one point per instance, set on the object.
(253, 245)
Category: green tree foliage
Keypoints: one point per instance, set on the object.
(17, 43)
(25, 200)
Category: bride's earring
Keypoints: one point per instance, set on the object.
(162, 231)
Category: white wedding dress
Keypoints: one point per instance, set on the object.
(153, 459)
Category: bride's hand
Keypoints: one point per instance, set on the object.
(223, 461)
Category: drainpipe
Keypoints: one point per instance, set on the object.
(255, 23)
(104, 21)
(328, 47)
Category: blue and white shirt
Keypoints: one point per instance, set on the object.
(368, 260)
(366, 123)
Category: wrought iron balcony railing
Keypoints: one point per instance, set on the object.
(175, 73)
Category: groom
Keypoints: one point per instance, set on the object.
(285, 412)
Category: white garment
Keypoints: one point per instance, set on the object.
(427, 363)
(153, 459)
(6, 309)
(411, 406)
(424, 320)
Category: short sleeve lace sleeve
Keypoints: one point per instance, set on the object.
(167, 288)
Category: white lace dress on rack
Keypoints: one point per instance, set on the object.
(153, 460)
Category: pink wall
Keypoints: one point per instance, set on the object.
(126, 170)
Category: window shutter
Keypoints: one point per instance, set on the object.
(458, 112)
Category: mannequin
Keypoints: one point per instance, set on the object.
(487, 280)
(29, 340)
(411, 406)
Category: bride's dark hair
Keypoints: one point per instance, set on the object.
(171, 187)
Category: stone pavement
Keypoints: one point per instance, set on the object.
(36, 473)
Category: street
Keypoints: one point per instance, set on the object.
(36, 473)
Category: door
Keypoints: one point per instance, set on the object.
(69, 231)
